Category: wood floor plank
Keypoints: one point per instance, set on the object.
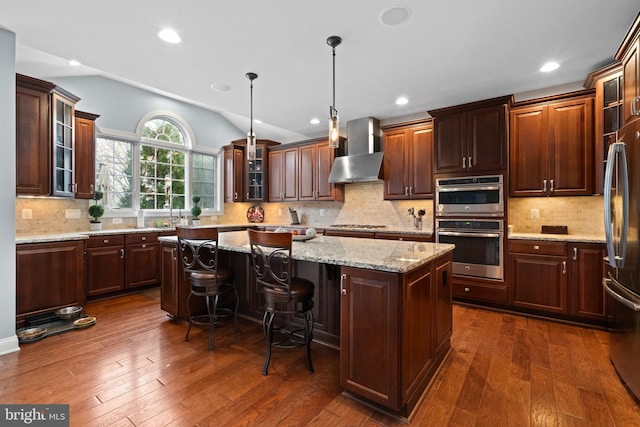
(133, 368)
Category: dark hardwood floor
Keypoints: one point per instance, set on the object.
(133, 368)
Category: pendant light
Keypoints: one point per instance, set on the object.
(334, 127)
(251, 137)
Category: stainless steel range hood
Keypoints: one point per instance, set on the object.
(364, 153)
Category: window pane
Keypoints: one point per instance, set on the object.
(203, 179)
(114, 167)
(163, 130)
(162, 173)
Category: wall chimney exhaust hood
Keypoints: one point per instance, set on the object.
(364, 153)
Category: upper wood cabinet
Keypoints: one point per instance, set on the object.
(629, 56)
(552, 146)
(608, 114)
(471, 138)
(85, 154)
(283, 174)
(246, 180)
(408, 161)
(44, 138)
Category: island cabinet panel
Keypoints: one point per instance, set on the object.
(587, 270)
(105, 264)
(49, 276)
(142, 257)
(395, 332)
(170, 279)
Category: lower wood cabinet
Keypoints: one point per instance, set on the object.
(394, 329)
(121, 261)
(49, 276)
(559, 278)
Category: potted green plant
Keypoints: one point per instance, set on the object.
(96, 211)
(195, 210)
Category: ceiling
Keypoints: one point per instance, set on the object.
(446, 53)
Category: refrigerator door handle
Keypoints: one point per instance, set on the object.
(626, 302)
(616, 152)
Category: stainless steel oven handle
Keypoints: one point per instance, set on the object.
(632, 305)
(469, 188)
(468, 234)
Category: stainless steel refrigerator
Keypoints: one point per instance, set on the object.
(622, 228)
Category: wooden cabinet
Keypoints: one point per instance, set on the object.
(246, 180)
(49, 276)
(540, 275)
(408, 162)
(390, 327)
(629, 56)
(552, 146)
(608, 114)
(559, 278)
(233, 174)
(588, 297)
(283, 174)
(173, 288)
(118, 262)
(105, 260)
(471, 138)
(64, 147)
(315, 160)
(85, 169)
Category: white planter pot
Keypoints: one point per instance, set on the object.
(95, 226)
(195, 222)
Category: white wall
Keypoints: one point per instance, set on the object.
(8, 339)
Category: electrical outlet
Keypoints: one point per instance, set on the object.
(117, 220)
(72, 213)
(27, 213)
(535, 213)
(321, 212)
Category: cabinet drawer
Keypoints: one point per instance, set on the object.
(107, 240)
(139, 238)
(496, 294)
(409, 237)
(538, 247)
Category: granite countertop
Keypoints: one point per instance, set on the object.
(583, 238)
(384, 255)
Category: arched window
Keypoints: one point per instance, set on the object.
(160, 169)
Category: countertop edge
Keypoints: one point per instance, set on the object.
(581, 238)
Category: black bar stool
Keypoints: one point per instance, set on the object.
(282, 293)
(198, 249)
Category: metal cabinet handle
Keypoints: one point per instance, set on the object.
(467, 289)
(544, 185)
(411, 191)
(173, 254)
(343, 277)
(552, 189)
(464, 163)
(470, 162)
(235, 196)
(91, 190)
(406, 191)
(564, 267)
(121, 253)
(575, 254)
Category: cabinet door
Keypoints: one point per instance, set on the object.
(48, 276)
(587, 270)
(487, 148)
(443, 301)
(631, 80)
(540, 283)
(571, 147)
(394, 165)
(233, 174)
(308, 172)
(85, 157)
(290, 174)
(450, 143)
(276, 193)
(369, 335)
(324, 160)
(169, 281)
(105, 270)
(529, 151)
(32, 142)
(142, 264)
(421, 162)
(63, 147)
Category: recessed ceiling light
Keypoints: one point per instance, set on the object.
(74, 63)
(170, 36)
(395, 15)
(549, 66)
(220, 87)
(314, 121)
(402, 100)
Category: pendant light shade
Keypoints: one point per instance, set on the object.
(251, 136)
(334, 125)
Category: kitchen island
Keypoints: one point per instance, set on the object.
(385, 304)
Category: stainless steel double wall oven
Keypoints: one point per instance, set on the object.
(470, 214)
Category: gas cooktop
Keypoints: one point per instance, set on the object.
(357, 226)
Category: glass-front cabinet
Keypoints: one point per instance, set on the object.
(251, 175)
(255, 178)
(63, 146)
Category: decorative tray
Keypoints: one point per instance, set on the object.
(32, 333)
